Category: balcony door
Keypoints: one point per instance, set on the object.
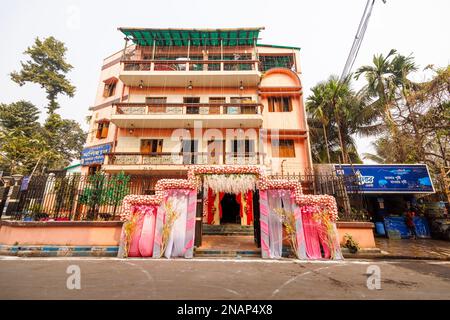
(188, 150)
(156, 104)
(191, 110)
(242, 151)
(216, 150)
(151, 145)
(216, 104)
(238, 109)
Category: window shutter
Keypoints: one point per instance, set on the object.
(105, 128)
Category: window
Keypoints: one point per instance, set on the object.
(283, 149)
(189, 149)
(192, 100)
(242, 147)
(151, 145)
(156, 104)
(276, 61)
(110, 89)
(239, 108)
(102, 130)
(280, 104)
(94, 169)
(216, 101)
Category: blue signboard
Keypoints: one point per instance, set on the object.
(398, 224)
(390, 178)
(94, 155)
(25, 183)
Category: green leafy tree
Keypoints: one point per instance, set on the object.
(65, 139)
(336, 113)
(20, 137)
(60, 140)
(48, 68)
(104, 190)
(387, 85)
(21, 115)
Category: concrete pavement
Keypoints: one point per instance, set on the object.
(112, 278)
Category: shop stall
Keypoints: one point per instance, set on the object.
(390, 191)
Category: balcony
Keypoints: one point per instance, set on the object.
(179, 73)
(182, 115)
(168, 161)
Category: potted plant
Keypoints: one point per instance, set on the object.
(351, 244)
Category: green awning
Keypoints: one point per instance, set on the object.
(197, 37)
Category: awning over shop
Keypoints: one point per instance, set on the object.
(395, 178)
(197, 37)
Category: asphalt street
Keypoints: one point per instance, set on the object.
(111, 278)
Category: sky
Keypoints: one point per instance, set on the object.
(324, 29)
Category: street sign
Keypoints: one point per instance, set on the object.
(94, 155)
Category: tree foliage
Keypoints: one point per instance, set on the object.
(25, 144)
(336, 114)
(47, 67)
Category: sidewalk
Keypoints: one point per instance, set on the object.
(427, 249)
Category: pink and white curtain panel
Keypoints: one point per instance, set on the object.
(143, 235)
(316, 233)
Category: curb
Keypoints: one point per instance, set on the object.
(383, 256)
(59, 251)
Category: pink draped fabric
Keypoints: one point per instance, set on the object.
(147, 234)
(310, 229)
(264, 220)
(133, 251)
(323, 238)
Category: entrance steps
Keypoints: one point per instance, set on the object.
(211, 253)
(227, 230)
(227, 246)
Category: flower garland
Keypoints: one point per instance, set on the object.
(229, 178)
(132, 200)
(294, 186)
(324, 202)
(224, 169)
(234, 183)
(165, 184)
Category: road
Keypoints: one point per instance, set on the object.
(111, 278)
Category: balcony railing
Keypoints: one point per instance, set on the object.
(188, 108)
(190, 65)
(184, 158)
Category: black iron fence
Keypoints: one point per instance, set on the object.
(74, 197)
(346, 190)
(99, 197)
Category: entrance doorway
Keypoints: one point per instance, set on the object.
(230, 209)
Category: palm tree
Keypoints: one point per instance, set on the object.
(381, 83)
(387, 84)
(340, 112)
(315, 105)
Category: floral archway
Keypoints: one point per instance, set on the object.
(164, 224)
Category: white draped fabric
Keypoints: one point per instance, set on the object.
(176, 242)
(275, 225)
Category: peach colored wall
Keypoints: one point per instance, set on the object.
(110, 235)
(291, 120)
(64, 235)
(364, 236)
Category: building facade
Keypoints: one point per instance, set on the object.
(177, 97)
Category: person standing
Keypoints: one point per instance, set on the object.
(409, 219)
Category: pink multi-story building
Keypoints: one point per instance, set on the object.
(176, 97)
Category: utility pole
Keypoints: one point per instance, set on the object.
(354, 50)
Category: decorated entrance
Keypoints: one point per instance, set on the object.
(166, 224)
